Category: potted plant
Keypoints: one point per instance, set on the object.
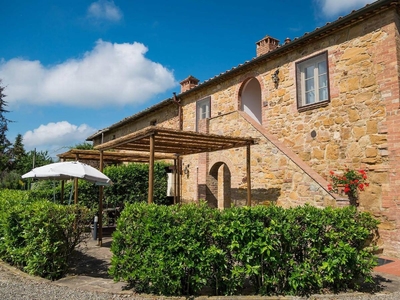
(349, 182)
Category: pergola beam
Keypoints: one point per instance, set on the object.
(112, 156)
(175, 141)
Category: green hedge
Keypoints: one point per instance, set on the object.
(179, 250)
(131, 183)
(39, 236)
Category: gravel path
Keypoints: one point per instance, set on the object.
(15, 284)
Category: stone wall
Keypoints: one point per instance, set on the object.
(275, 177)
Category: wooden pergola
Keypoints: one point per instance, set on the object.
(110, 157)
(158, 143)
(158, 140)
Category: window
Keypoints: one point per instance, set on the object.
(312, 81)
(202, 110)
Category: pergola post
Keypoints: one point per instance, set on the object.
(101, 189)
(175, 180)
(62, 189)
(151, 170)
(76, 184)
(179, 178)
(248, 164)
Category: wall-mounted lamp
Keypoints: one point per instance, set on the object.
(313, 134)
(275, 78)
(186, 170)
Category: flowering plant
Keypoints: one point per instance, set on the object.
(351, 180)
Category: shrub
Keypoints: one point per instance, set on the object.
(39, 236)
(179, 250)
(163, 250)
(131, 183)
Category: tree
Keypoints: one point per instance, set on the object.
(40, 158)
(25, 163)
(17, 154)
(18, 149)
(83, 146)
(4, 142)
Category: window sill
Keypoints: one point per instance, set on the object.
(313, 106)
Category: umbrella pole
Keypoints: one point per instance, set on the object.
(76, 190)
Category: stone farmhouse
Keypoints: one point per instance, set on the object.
(323, 102)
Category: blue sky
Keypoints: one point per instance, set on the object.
(73, 67)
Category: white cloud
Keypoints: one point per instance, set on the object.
(332, 8)
(104, 10)
(56, 136)
(110, 74)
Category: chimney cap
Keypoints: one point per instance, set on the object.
(268, 37)
(190, 78)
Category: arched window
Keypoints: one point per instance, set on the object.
(251, 99)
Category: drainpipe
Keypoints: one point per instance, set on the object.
(180, 116)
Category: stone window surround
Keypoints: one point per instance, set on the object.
(301, 107)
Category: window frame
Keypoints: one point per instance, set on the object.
(300, 82)
(199, 105)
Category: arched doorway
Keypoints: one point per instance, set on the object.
(219, 184)
(251, 99)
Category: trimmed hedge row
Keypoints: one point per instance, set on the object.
(179, 250)
(38, 236)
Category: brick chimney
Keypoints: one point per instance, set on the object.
(266, 45)
(189, 83)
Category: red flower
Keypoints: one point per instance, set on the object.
(352, 180)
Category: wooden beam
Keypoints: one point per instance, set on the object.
(175, 180)
(113, 156)
(151, 170)
(100, 218)
(173, 141)
(248, 164)
(179, 172)
(76, 184)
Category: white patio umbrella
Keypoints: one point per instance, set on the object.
(68, 170)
